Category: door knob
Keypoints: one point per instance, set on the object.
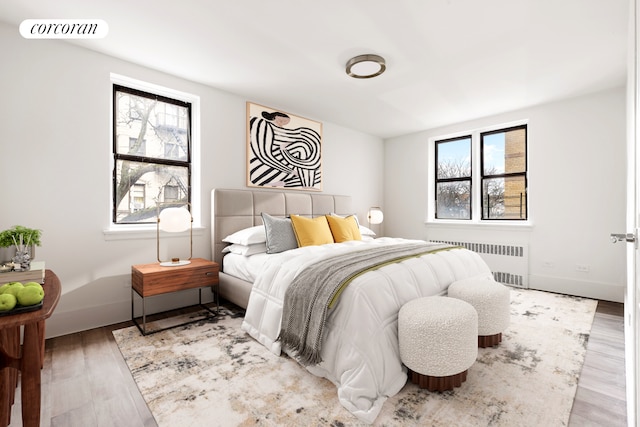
(629, 237)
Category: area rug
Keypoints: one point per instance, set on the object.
(211, 373)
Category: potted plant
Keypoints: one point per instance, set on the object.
(23, 239)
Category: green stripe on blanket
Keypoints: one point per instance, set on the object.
(346, 283)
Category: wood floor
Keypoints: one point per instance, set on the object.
(85, 381)
(600, 399)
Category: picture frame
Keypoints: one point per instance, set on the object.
(284, 150)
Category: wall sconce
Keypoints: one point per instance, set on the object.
(375, 215)
(175, 220)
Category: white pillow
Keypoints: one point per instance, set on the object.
(364, 231)
(246, 250)
(247, 236)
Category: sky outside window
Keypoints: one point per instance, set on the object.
(494, 158)
(460, 151)
(456, 152)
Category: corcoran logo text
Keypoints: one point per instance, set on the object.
(64, 28)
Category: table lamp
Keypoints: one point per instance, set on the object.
(175, 220)
(375, 215)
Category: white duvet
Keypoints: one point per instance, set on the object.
(360, 340)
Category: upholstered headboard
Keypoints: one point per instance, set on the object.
(234, 210)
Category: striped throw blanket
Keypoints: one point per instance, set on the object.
(316, 289)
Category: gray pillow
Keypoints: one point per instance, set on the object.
(279, 232)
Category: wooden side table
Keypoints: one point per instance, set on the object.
(149, 280)
(26, 359)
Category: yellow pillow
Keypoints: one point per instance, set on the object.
(344, 229)
(311, 231)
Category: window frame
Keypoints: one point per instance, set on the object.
(468, 179)
(505, 175)
(476, 180)
(144, 159)
(117, 231)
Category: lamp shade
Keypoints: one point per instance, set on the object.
(375, 215)
(174, 220)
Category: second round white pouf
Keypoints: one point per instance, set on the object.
(438, 338)
(491, 300)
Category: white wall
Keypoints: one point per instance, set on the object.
(576, 193)
(55, 169)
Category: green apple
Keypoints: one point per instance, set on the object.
(32, 284)
(7, 302)
(30, 295)
(14, 288)
(6, 286)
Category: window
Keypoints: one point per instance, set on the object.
(135, 148)
(171, 193)
(504, 173)
(152, 153)
(481, 175)
(136, 197)
(453, 178)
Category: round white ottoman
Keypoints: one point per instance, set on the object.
(491, 300)
(438, 341)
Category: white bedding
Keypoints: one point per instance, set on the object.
(360, 341)
(245, 267)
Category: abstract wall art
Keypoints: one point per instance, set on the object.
(283, 150)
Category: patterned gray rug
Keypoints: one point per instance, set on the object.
(211, 373)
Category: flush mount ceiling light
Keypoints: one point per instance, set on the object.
(365, 66)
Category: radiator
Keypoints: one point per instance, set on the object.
(509, 263)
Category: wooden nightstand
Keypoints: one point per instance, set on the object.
(148, 280)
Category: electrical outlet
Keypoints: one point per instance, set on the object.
(584, 268)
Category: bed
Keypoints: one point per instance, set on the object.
(359, 347)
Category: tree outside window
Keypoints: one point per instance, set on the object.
(152, 154)
(453, 178)
(502, 175)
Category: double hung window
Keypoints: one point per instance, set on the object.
(453, 178)
(152, 154)
(482, 175)
(504, 173)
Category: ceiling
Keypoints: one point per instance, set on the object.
(447, 60)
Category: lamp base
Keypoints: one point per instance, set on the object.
(174, 263)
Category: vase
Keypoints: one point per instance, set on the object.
(23, 257)
(7, 254)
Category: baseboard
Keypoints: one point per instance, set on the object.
(85, 318)
(89, 317)
(97, 316)
(595, 290)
